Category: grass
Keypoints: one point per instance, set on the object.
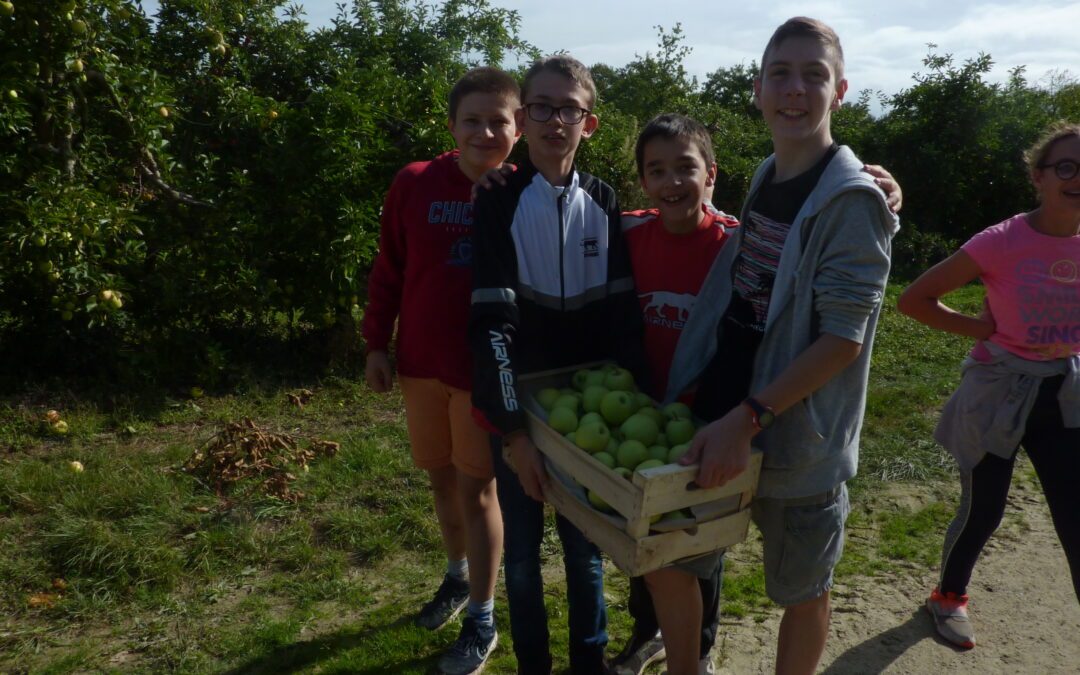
(159, 574)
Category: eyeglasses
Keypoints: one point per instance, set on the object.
(1064, 169)
(568, 114)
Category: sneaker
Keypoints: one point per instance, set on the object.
(471, 650)
(706, 666)
(951, 618)
(638, 654)
(449, 600)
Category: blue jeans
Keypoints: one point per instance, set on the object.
(523, 526)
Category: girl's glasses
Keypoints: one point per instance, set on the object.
(1065, 169)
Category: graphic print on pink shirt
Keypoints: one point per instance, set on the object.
(1033, 286)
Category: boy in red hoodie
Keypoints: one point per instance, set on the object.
(422, 278)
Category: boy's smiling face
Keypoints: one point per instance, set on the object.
(798, 90)
(676, 179)
(484, 131)
(553, 143)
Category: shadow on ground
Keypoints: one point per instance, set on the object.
(347, 651)
(880, 651)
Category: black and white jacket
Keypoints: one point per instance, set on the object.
(552, 287)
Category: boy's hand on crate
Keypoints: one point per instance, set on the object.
(722, 448)
(378, 372)
(528, 463)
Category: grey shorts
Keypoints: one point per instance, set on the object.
(803, 540)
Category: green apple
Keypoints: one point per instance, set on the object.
(677, 452)
(6, 8)
(642, 400)
(75, 65)
(78, 26)
(595, 378)
(60, 427)
(612, 446)
(677, 411)
(616, 406)
(591, 417)
(592, 437)
(605, 459)
(12, 94)
(619, 379)
(639, 427)
(67, 6)
(597, 502)
(570, 401)
(591, 397)
(658, 452)
(655, 414)
(579, 379)
(563, 419)
(679, 430)
(67, 315)
(631, 453)
(624, 472)
(547, 397)
(648, 464)
(75, 466)
(676, 515)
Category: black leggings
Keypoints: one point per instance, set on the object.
(1055, 453)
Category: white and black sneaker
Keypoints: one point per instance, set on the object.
(449, 600)
(471, 650)
(639, 653)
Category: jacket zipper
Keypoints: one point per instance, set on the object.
(562, 246)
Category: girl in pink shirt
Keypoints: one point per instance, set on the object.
(1025, 362)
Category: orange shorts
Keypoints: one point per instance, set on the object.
(442, 430)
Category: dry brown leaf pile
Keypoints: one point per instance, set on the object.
(241, 451)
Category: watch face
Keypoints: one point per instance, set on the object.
(766, 418)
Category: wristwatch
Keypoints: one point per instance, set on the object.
(761, 415)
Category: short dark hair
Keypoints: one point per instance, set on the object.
(801, 26)
(674, 125)
(564, 65)
(485, 80)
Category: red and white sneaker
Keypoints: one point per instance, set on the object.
(949, 611)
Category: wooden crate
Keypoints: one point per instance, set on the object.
(628, 539)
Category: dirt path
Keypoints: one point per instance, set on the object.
(1026, 617)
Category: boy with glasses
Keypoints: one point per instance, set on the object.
(552, 288)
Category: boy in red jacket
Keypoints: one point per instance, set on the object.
(422, 277)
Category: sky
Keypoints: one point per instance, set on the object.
(884, 42)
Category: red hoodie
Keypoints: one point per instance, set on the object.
(422, 275)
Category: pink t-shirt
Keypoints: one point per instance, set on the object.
(1033, 285)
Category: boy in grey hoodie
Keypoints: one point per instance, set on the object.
(779, 339)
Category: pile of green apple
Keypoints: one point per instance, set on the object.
(604, 414)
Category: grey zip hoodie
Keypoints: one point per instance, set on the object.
(830, 279)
